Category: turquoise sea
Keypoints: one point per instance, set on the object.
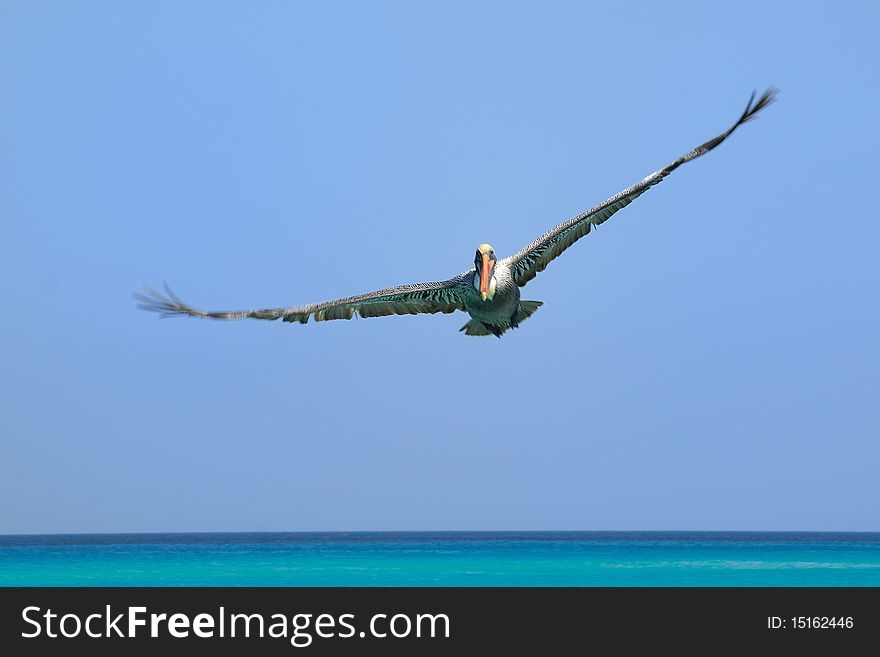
(443, 559)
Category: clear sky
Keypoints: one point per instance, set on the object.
(708, 359)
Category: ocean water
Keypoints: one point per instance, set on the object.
(443, 559)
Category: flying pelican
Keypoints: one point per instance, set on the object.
(489, 292)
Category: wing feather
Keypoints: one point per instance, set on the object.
(435, 297)
(534, 258)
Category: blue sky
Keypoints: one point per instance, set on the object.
(708, 359)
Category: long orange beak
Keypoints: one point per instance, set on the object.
(485, 276)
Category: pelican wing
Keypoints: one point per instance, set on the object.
(439, 297)
(526, 264)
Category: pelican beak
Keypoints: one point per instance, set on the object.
(485, 276)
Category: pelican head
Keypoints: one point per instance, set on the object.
(485, 264)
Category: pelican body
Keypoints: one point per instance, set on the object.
(489, 293)
(493, 299)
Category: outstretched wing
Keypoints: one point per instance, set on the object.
(440, 297)
(526, 264)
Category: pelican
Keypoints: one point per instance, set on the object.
(489, 292)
